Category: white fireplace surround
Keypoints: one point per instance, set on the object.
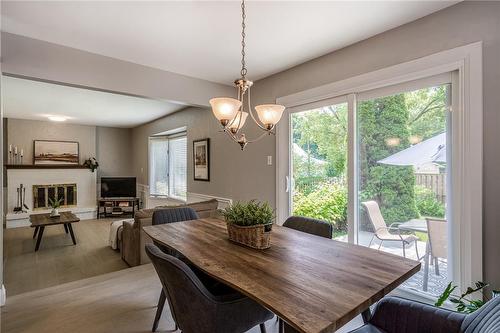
(86, 191)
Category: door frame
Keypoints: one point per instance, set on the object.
(467, 159)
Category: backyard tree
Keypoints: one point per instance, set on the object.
(383, 131)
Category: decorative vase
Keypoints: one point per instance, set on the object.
(255, 236)
(54, 212)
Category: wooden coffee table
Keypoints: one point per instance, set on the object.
(40, 221)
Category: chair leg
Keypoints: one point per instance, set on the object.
(35, 232)
(404, 249)
(371, 240)
(436, 266)
(426, 268)
(281, 326)
(416, 250)
(381, 241)
(159, 310)
(262, 328)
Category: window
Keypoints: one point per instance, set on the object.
(168, 166)
(442, 102)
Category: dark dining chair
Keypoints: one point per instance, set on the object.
(310, 226)
(399, 315)
(164, 216)
(197, 309)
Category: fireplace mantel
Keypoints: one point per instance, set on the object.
(44, 166)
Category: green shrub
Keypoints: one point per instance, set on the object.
(328, 202)
(248, 213)
(427, 204)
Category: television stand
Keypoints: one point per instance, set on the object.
(115, 207)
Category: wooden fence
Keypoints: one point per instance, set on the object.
(434, 182)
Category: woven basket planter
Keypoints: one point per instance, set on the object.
(255, 236)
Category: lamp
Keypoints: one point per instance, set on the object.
(231, 112)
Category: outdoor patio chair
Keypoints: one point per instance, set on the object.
(437, 246)
(383, 232)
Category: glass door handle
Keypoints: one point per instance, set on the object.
(287, 184)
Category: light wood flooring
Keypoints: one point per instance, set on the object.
(123, 301)
(58, 260)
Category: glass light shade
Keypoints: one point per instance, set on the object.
(235, 124)
(225, 108)
(269, 114)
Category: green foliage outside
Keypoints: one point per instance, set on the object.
(427, 204)
(248, 213)
(385, 126)
(328, 202)
(380, 121)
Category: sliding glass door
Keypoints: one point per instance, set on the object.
(402, 140)
(376, 165)
(319, 165)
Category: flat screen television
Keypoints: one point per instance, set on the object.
(118, 187)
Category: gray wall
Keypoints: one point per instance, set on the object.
(244, 175)
(22, 132)
(111, 146)
(114, 151)
(226, 158)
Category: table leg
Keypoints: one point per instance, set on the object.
(71, 233)
(39, 239)
(65, 227)
(35, 232)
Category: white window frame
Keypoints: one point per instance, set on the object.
(467, 131)
(168, 137)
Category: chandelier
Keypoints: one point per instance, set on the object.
(231, 112)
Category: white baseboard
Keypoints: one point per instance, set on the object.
(196, 197)
(3, 296)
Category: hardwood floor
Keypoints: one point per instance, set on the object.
(58, 260)
(123, 301)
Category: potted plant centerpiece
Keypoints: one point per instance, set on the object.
(55, 204)
(249, 223)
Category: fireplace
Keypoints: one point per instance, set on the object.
(42, 194)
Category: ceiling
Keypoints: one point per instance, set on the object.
(202, 39)
(77, 105)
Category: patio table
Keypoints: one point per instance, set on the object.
(414, 225)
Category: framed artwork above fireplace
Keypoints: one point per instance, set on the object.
(48, 152)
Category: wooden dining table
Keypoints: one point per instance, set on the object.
(315, 284)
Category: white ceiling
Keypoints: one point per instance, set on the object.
(202, 39)
(26, 99)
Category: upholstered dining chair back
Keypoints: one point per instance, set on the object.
(194, 308)
(310, 226)
(171, 215)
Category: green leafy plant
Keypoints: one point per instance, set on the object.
(462, 302)
(427, 204)
(248, 213)
(328, 202)
(55, 203)
(91, 163)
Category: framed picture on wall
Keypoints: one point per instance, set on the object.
(201, 159)
(55, 152)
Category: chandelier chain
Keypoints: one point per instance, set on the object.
(243, 35)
